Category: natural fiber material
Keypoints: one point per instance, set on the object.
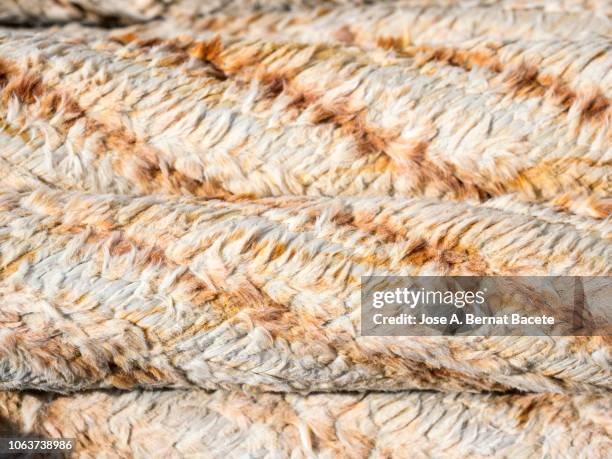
(115, 12)
(243, 122)
(125, 292)
(90, 11)
(191, 191)
(403, 425)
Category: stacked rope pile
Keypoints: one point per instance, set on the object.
(190, 193)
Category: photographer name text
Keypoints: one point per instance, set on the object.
(469, 319)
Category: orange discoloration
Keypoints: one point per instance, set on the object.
(12, 267)
(122, 248)
(385, 42)
(180, 51)
(274, 85)
(350, 122)
(25, 87)
(345, 35)
(277, 251)
(7, 69)
(594, 206)
(471, 59)
(456, 258)
(151, 42)
(353, 124)
(212, 23)
(224, 303)
(302, 100)
(383, 164)
(131, 378)
(449, 253)
(524, 80)
(29, 88)
(383, 229)
(421, 374)
(52, 102)
(172, 60)
(426, 172)
(549, 174)
(125, 38)
(178, 182)
(368, 140)
(466, 59)
(207, 50)
(148, 173)
(602, 208)
(595, 107)
(210, 52)
(418, 150)
(343, 218)
(322, 114)
(525, 413)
